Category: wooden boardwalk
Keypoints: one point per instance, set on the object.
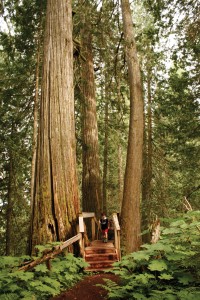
(100, 255)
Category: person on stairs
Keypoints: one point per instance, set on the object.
(104, 227)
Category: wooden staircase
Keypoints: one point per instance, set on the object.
(100, 256)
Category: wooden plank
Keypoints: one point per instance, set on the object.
(119, 246)
(50, 253)
(40, 260)
(93, 228)
(88, 214)
(82, 245)
(81, 224)
(71, 241)
(116, 222)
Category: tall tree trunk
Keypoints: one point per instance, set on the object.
(149, 149)
(120, 176)
(56, 202)
(120, 158)
(9, 208)
(35, 116)
(105, 153)
(131, 222)
(147, 169)
(91, 179)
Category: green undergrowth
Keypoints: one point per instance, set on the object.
(38, 283)
(167, 270)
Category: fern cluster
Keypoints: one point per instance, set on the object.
(167, 270)
(39, 283)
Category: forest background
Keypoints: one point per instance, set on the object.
(167, 38)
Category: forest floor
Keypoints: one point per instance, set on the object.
(87, 289)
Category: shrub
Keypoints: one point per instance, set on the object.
(169, 269)
(39, 283)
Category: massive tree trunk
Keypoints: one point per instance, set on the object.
(56, 202)
(131, 223)
(91, 179)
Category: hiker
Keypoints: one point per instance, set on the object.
(104, 227)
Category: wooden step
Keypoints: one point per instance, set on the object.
(102, 256)
(99, 250)
(101, 244)
(96, 265)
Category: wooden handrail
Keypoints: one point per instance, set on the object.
(91, 215)
(85, 215)
(48, 254)
(88, 214)
(70, 241)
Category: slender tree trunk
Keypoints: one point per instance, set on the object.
(149, 164)
(91, 179)
(131, 222)
(105, 154)
(120, 176)
(9, 208)
(147, 169)
(56, 202)
(120, 158)
(105, 98)
(35, 121)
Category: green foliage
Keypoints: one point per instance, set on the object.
(168, 269)
(39, 283)
(8, 261)
(49, 246)
(19, 32)
(177, 134)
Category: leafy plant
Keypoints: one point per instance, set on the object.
(168, 269)
(39, 283)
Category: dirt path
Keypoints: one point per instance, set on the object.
(87, 289)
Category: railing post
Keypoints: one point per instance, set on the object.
(81, 230)
(93, 228)
(117, 235)
(119, 246)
